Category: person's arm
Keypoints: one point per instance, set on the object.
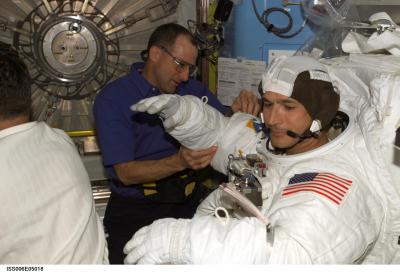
(118, 144)
(197, 125)
(137, 172)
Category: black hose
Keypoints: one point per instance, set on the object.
(280, 32)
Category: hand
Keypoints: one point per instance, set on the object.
(196, 159)
(246, 102)
(159, 243)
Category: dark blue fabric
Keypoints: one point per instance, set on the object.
(125, 135)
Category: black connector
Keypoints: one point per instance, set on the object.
(223, 10)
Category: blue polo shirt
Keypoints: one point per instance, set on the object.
(125, 135)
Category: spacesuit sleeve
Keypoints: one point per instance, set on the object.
(239, 137)
(244, 241)
(206, 127)
(196, 125)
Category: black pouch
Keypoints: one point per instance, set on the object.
(174, 189)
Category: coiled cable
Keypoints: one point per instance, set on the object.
(280, 32)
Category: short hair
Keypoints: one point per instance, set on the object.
(165, 35)
(15, 84)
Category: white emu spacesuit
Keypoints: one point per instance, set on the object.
(334, 203)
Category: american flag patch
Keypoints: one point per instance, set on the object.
(329, 186)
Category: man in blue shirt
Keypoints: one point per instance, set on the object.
(151, 174)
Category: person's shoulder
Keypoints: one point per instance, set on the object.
(123, 80)
(122, 87)
(55, 133)
(114, 87)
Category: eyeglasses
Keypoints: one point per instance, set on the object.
(180, 64)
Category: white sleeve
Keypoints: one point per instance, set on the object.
(203, 126)
(238, 137)
(241, 241)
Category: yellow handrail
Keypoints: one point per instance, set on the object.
(81, 133)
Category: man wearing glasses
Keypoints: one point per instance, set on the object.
(151, 174)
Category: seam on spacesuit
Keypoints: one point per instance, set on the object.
(336, 249)
(333, 208)
(291, 238)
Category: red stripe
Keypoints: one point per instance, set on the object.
(341, 184)
(320, 183)
(288, 191)
(333, 184)
(328, 177)
(317, 185)
(347, 181)
(311, 190)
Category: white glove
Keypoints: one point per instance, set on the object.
(166, 106)
(162, 242)
(186, 118)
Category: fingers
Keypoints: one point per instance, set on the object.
(152, 105)
(135, 255)
(143, 104)
(236, 105)
(197, 159)
(136, 240)
(135, 248)
(247, 102)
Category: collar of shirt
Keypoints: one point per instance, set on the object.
(145, 88)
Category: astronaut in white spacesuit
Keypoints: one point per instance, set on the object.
(324, 197)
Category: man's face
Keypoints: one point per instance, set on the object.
(172, 67)
(282, 113)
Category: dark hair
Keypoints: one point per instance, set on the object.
(15, 84)
(165, 35)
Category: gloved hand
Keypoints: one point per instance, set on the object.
(186, 118)
(161, 242)
(217, 198)
(168, 106)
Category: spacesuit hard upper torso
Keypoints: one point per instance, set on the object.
(321, 199)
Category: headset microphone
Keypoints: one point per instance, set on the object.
(313, 131)
(306, 135)
(295, 135)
